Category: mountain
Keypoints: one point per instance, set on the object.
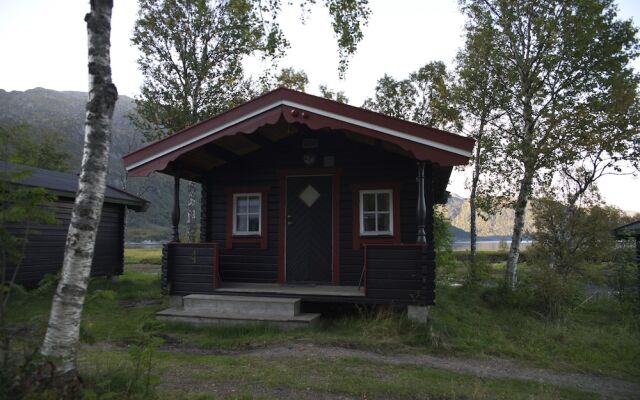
(49, 110)
(496, 226)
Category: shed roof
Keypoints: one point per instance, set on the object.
(66, 185)
(422, 142)
(630, 229)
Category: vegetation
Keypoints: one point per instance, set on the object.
(564, 69)
(143, 256)
(598, 336)
(424, 97)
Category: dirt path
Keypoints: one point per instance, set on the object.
(608, 388)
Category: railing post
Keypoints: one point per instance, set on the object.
(175, 215)
(421, 210)
(164, 279)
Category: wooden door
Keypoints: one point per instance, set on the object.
(309, 229)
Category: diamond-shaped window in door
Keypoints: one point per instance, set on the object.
(309, 195)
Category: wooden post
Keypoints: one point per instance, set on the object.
(175, 215)
(421, 210)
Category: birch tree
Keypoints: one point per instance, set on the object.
(551, 57)
(479, 99)
(62, 335)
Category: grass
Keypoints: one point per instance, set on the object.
(143, 256)
(190, 376)
(600, 336)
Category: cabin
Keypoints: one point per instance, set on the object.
(304, 198)
(44, 251)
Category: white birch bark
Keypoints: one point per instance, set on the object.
(63, 331)
(191, 212)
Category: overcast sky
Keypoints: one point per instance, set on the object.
(43, 44)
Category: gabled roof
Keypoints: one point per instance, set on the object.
(66, 185)
(424, 143)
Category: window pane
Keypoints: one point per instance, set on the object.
(241, 223)
(254, 223)
(241, 206)
(368, 202)
(369, 222)
(254, 204)
(383, 222)
(383, 201)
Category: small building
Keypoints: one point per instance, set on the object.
(44, 251)
(309, 198)
(631, 231)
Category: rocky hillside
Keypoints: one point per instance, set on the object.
(500, 224)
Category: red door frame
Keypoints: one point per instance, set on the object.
(335, 174)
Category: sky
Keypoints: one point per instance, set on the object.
(43, 44)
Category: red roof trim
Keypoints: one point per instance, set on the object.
(267, 109)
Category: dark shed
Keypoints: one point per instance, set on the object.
(44, 251)
(630, 231)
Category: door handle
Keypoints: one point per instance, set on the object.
(289, 222)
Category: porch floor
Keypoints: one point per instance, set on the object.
(291, 289)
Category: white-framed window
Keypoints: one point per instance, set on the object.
(247, 213)
(376, 212)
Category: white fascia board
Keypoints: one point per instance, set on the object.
(353, 121)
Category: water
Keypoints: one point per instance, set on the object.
(146, 244)
(488, 245)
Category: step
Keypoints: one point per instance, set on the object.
(247, 306)
(177, 314)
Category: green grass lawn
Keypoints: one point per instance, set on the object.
(189, 376)
(601, 336)
(142, 256)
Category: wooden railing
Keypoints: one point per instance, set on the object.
(190, 268)
(399, 273)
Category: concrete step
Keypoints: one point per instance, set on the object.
(243, 306)
(177, 314)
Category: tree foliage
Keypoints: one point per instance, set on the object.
(335, 95)
(425, 97)
(552, 59)
(191, 54)
(289, 78)
(566, 238)
(20, 146)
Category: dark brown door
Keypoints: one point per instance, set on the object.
(309, 227)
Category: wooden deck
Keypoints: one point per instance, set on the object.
(291, 290)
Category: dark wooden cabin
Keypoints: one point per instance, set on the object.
(308, 197)
(44, 250)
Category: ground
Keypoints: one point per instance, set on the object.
(470, 349)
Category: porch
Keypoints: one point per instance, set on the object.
(391, 273)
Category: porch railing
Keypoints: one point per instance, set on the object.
(399, 273)
(190, 268)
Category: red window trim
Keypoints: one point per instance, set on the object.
(358, 240)
(260, 239)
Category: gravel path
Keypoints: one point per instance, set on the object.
(608, 388)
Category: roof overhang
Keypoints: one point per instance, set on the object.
(423, 142)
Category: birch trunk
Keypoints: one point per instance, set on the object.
(63, 330)
(518, 228)
(473, 228)
(191, 213)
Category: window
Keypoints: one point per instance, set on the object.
(247, 214)
(376, 212)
